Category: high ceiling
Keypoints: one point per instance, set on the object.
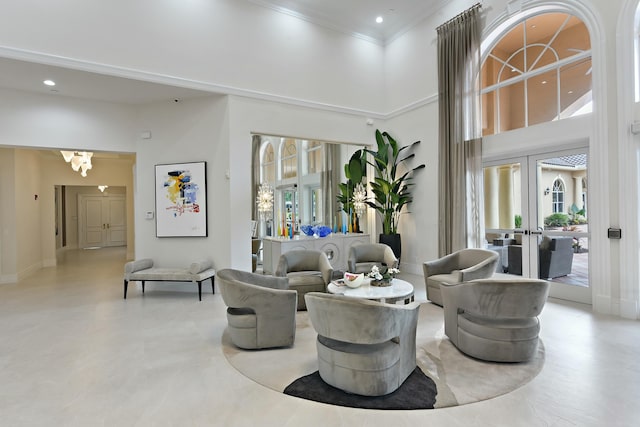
(356, 17)
(359, 16)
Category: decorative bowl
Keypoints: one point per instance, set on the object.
(322, 230)
(307, 229)
(353, 280)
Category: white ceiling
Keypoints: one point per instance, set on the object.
(356, 17)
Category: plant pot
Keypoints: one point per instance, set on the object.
(381, 283)
(394, 242)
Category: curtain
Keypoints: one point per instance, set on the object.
(460, 146)
(329, 179)
(256, 140)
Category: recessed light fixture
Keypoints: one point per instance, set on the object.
(49, 82)
(379, 19)
(570, 92)
(544, 82)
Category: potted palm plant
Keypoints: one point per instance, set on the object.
(391, 185)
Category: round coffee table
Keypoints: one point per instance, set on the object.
(399, 290)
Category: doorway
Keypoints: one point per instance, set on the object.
(101, 221)
(536, 218)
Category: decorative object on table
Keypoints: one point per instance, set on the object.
(391, 186)
(316, 230)
(350, 193)
(359, 199)
(181, 200)
(353, 280)
(382, 276)
(265, 201)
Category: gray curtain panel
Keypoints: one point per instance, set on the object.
(255, 174)
(460, 152)
(329, 180)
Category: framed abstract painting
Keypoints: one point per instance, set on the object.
(181, 200)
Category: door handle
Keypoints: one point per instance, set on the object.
(108, 225)
(520, 231)
(103, 226)
(536, 232)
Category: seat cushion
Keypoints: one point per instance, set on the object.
(451, 278)
(499, 329)
(306, 281)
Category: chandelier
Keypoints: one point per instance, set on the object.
(265, 201)
(80, 160)
(359, 199)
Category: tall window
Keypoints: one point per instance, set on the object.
(289, 159)
(539, 71)
(268, 165)
(314, 157)
(558, 196)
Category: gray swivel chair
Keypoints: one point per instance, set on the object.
(495, 319)
(308, 271)
(363, 257)
(261, 311)
(458, 267)
(364, 347)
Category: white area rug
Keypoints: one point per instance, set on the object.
(459, 378)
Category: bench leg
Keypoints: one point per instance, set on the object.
(213, 290)
(200, 290)
(126, 283)
(143, 286)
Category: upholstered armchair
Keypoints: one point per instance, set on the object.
(261, 311)
(308, 271)
(495, 319)
(363, 257)
(458, 267)
(364, 347)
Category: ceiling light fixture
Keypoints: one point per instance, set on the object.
(544, 82)
(102, 188)
(79, 160)
(379, 19)
(49, 82)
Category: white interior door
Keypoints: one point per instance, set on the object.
(102, 221)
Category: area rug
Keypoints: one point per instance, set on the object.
(458, 379)
(417, 392)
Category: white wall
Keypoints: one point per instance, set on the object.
(46, 121)
(188, 131)
(228, 44)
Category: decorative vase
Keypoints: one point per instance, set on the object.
(381, 283)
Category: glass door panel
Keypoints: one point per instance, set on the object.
(503, 214)
(562, 226)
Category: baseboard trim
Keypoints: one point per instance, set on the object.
(629, 309)
(8, 278)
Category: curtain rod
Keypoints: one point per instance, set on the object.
(460, 15)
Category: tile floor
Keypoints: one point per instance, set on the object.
(75, 353)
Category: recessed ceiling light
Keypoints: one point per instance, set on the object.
(570, 92)
(49, 82)
(544, 82)
(379, 19)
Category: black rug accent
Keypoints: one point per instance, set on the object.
(417, 392)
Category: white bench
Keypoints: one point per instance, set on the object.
(143, 271)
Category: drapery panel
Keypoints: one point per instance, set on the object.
(329, 180)
(460, 144)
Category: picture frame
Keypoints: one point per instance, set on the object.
(181, 199)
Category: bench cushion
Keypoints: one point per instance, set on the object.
(143, 270)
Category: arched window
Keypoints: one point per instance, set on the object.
(538, 71)
(558, 196)
(289, 159)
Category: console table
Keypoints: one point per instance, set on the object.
(336, 246)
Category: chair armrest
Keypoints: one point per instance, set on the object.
(283, 267)
(482, 270)
(443, 265)
(325, 268)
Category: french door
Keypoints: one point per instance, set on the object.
(536, 218)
